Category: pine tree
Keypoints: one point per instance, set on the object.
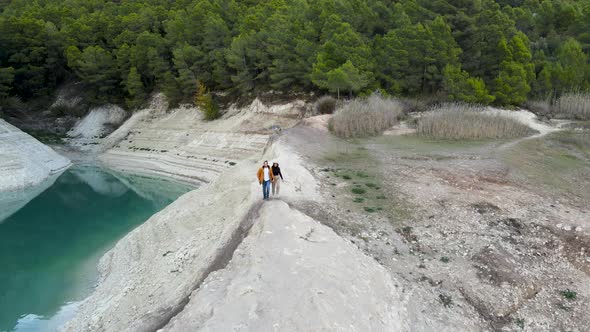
(6, 78)
(204, 102)
(135, 89)
(343, 45)
(459, 86)
(571, 68)
(511, 87)
(346, 77)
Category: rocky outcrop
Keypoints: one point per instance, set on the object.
(181, 145)
(24, 161)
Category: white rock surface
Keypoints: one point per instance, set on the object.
(150, 274)
(99, 122)
(181, 145)
(293, 274)
(24, 161)
(283, 275)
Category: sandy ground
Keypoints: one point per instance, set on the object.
(475, 235)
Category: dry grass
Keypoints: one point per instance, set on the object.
(366, 117)
(539, 107)
(462, 121)
(574, 106)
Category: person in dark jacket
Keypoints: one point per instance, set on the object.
(277, 178)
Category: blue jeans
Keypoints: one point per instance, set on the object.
(265, 189)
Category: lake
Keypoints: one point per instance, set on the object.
(50, 242)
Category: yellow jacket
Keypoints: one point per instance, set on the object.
(260, 175)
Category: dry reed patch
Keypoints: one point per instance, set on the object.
(368, 117)
(574, 105)
(461, 121)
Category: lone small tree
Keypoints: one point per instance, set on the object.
(205, 103)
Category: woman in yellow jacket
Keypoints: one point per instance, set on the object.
(265, 177)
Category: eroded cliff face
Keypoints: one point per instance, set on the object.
(180, 144)
(24, 161)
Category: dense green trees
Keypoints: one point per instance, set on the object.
(481, 51)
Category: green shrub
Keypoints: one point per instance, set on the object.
(325, 105)
(64, 109)
(446, 300)
(12, 102)
(358, 200)
(574, 106)
(569, 294)
(368, 117)
(358, 191)
(462, 121)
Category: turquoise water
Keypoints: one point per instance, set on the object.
(49, 248)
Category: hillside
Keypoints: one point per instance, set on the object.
(486, 51)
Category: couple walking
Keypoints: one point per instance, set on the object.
(267, 175)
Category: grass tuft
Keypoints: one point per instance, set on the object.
(462, 121)
(358, 191)
(368, 117)
(362, 174)
(569, 294)
(539, 107)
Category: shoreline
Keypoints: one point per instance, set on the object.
(184, 248)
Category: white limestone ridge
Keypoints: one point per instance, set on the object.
(24, 161)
